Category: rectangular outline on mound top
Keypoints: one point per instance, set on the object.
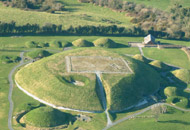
(69, 65)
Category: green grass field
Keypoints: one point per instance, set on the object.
(19, 42)
(76, 14)
(172, 120)
(171, 56)
(161, 4)
(4, 87)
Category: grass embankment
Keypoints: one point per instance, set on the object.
(77, 14)
(173, 119)
(171, 56)
(126, 90)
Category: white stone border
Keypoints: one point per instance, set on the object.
(52, 105)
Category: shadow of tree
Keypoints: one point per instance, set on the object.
(176, 121)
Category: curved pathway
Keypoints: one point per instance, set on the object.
(143, 111)
(11, 83)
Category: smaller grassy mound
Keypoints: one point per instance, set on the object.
(31, 44)
(160, 66)
(82, 43)
(183, 75)
(38, 54)
(178, 101)
(66, 44)
(170, 91)
(105, 42)
(56, 44)
(9, 59)
(45, 117)
(141, 58)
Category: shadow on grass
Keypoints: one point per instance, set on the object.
(176, 121)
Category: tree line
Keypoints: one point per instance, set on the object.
(39, 5)
(173, 24)
(51, 29)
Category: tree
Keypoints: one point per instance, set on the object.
(157, 110)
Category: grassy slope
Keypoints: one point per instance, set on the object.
(172, 56)
(4, 89)
(77, 14)
(64, 95)
(126, 90)
(161, 4)
(174, 120)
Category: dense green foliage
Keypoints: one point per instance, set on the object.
(178, 101)
(40, 5)
(171, 25)
(9, 59)
(105, 42)
(82, 43)
(38, 54)
(45, 117)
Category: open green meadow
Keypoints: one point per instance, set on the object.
(76, 14)
(161, 4)
(172, 120)
(4, 89)
(171, 56)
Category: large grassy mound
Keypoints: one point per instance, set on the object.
(51, 82)
(82, 43)
(105, 42)
(127, 90)
(45, 117)
(182, 74)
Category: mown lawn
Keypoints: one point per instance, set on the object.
(19, 42)
(161, 4)
(76, 14)
(172, 120)
(171, 56)
(4, 90)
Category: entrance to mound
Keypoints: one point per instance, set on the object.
(93, 64)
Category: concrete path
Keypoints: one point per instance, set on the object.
(141, 51)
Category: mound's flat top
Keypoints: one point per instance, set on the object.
(92, 64)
